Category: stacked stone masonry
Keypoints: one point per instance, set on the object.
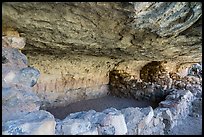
(21, 114)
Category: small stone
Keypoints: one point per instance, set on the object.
(168, 103)
(171, 97)
(27, 76)
(107, 130)
(17, 42)
(10, 77)
(16, 101)
(136, 118)
(156, 121)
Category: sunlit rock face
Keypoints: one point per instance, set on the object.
(75, 46)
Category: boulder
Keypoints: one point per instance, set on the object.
(34, 123)
(113, 125)
(16, 102)
(137, 119)
(74, 127)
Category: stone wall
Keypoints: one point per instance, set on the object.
(130, 121)
(20, 105)
(78, 51)
(21, 114)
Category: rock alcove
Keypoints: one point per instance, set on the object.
(56, 54)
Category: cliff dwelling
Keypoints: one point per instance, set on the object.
(101, 68)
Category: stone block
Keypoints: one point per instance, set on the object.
(93, 131)
(27, 76)
(137, 119)
(75, 126)
(16, 101)
(34, 123)
(16, 42)
(13, 59)
(113, 125)
(168, 103)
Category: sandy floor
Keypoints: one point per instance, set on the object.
(98, 104)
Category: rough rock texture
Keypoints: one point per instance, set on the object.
(20, 105)
(71, 77)
(21, 114)
(166, 18)
(142, 50)
(17, 80)
(137, 118)
(76, 45)
(108, 122)
(35, 123)
(103, 29)
(156, 80)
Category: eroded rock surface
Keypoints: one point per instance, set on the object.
(166, 18)
(87, 50)
(36, 123)
(76, 45)
(20, 105)
(104, 29)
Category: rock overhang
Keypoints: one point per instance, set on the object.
(105, 29)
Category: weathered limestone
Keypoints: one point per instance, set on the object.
(113, 123)
(75, 46)
(92, 29)
(16, 102)
(137, 118)
(36, 123)
(175, 108)
(133, 121)
(74, 126)
(17, 78)
(70, 78)
(108, 122)
(166, 18)
(20, 106)
(17, 42)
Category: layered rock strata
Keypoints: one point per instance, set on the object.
(105, 29)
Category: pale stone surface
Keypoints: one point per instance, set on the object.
(17, 42)
(34, 123)
(93, 131)
(137, 118)
(75, 126)
(17, 101)
(27, 76)
(108, 122)
(79, 49)
(160, 16)
(113, 125)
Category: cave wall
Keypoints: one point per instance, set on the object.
(75, 45)
(104, 29)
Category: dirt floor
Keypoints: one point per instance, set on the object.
(99, 104)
